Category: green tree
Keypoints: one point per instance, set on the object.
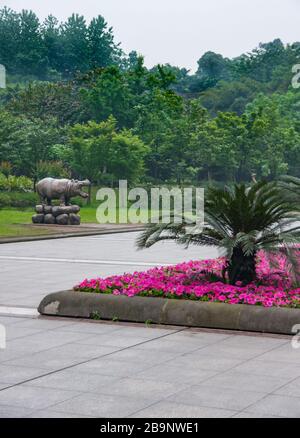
(50, 32)
(10, 28)
(44, 100)
(102, 49)
(31, 58)
(74, 40)
(101, 152)
(24, 143)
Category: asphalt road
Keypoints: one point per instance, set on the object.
(29, 270)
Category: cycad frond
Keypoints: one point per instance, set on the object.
(240, 220)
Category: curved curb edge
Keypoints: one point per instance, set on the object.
(240, 317)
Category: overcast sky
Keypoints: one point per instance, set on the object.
(180, 31)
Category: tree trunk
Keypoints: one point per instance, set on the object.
(241, 267)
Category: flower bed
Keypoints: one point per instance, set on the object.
(190, 280)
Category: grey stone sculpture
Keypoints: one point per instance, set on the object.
(62, 189)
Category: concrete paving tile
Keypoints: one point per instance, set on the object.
(246, 382)
(285, 353)
(75, 381)
(270, 368)
(133, 387)
(201, 360)
(27, 345)
(166, 409)
(143, 331)
(115, 339)
(246, 414)
(86, 327)
(16, 374)
(11, 320)
(219, 350)
(290, 389)
(33, 398)
(257, 342)
(194, 337)
(108, 367)
(14, 332)
(47, 413)
(14, 412)
(169, 346)
(10, 354)
(174, 373)
(150, 357)
(82, 351)
(34, 344)
(101, 405)
(279, 405)
(59, 337)
(45, 324)
(46, 360)
(224, 398)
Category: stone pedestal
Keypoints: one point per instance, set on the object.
(60, 215)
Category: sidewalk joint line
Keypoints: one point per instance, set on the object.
(85, 361)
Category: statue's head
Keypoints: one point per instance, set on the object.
(77, 188)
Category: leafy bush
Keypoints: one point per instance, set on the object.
(6, 168)
(5, 200)
(15, 183)
(18, 199)
(54, 169)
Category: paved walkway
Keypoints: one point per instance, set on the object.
(71, 368)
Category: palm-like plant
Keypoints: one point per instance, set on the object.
(241, 221)
(291, 189)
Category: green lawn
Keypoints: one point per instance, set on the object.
(12, 221)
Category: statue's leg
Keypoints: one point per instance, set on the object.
(48, 201)
(62, 200)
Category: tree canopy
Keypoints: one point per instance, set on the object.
(75, 98)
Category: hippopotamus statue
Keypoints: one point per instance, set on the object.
(62, 189)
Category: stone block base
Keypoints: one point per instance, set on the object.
(60, 215)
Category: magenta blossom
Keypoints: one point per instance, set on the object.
(188, 280)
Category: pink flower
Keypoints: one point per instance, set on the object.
(187, 279)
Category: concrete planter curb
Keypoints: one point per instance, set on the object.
(66, 235)
(172, 312)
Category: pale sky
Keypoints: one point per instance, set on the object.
(181, 31)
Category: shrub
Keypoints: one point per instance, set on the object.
(54, 169)
(6, 168)
(17, 199)
(14, 183)
(5, 200)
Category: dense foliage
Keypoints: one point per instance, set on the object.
(77, 105)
